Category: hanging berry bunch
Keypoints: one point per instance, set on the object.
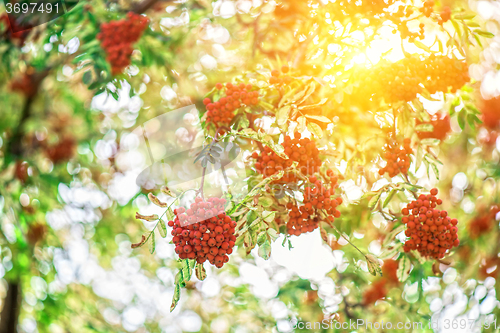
(440, 73)
(222, 111)
(278, 79)
(204, 231)
(441, 127)
(317, 197)
(432, 232)
(298, 149)
(117, 38)
(397, 157)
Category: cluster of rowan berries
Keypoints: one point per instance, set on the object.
(204, 231)
(24, 85)
(298, 149)
(117, 38)
(428, 8)
(441, 126)
(440, 73)
(378, 289)
(317, 196)
(277, 78)
(432, 232)
(445, 15)
(221, 112)
(489, 113)
(397, 157)
(483, 223)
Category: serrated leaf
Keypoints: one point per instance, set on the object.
(404, 268)
(141, 243)
(301, 124)
(167, 191)
(322, 119)
(485, 34)
(373, 265)
(464, 16)
(430, 142)
(152, 243)
(422, 46)
(391, 252)
(156, 201)
(269, 216)
(265, 250)
(282, 115)
(149, 218)
(389, 198)
(176, 297)
(272, 233)
(373, 201)
(390, 236)
(162, 228)
(265, 201)
(424, 128)
(315, 129)
(201, 274)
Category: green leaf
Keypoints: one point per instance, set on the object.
(373, 265)
(424, 128)
(87, 77)
(315, 129)
(391, 251)
(282, 115)
(373, 201)
(152, 243)
(389, 197)
(162, 228)
(265, 250)
(201, 274)
(464, 16)
(422, 46)
(461, 120)
(404, 268)
(322, 119)
(176, 297)
(430, 142)
(485, 34)
(390, 236)
(265, 201)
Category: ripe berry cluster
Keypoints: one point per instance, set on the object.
(445, 15)
(441, 127)
(490, 115)
(317, 196)
(397, 157)
(428, 8)
(432, 232)
(221, 112)
(117, 38)
(440, 73)
(204, 231)
(301, 150)
(278, 79)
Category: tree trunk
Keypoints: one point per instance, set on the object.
(11, 308)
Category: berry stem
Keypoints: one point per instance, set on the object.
(341, 234)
